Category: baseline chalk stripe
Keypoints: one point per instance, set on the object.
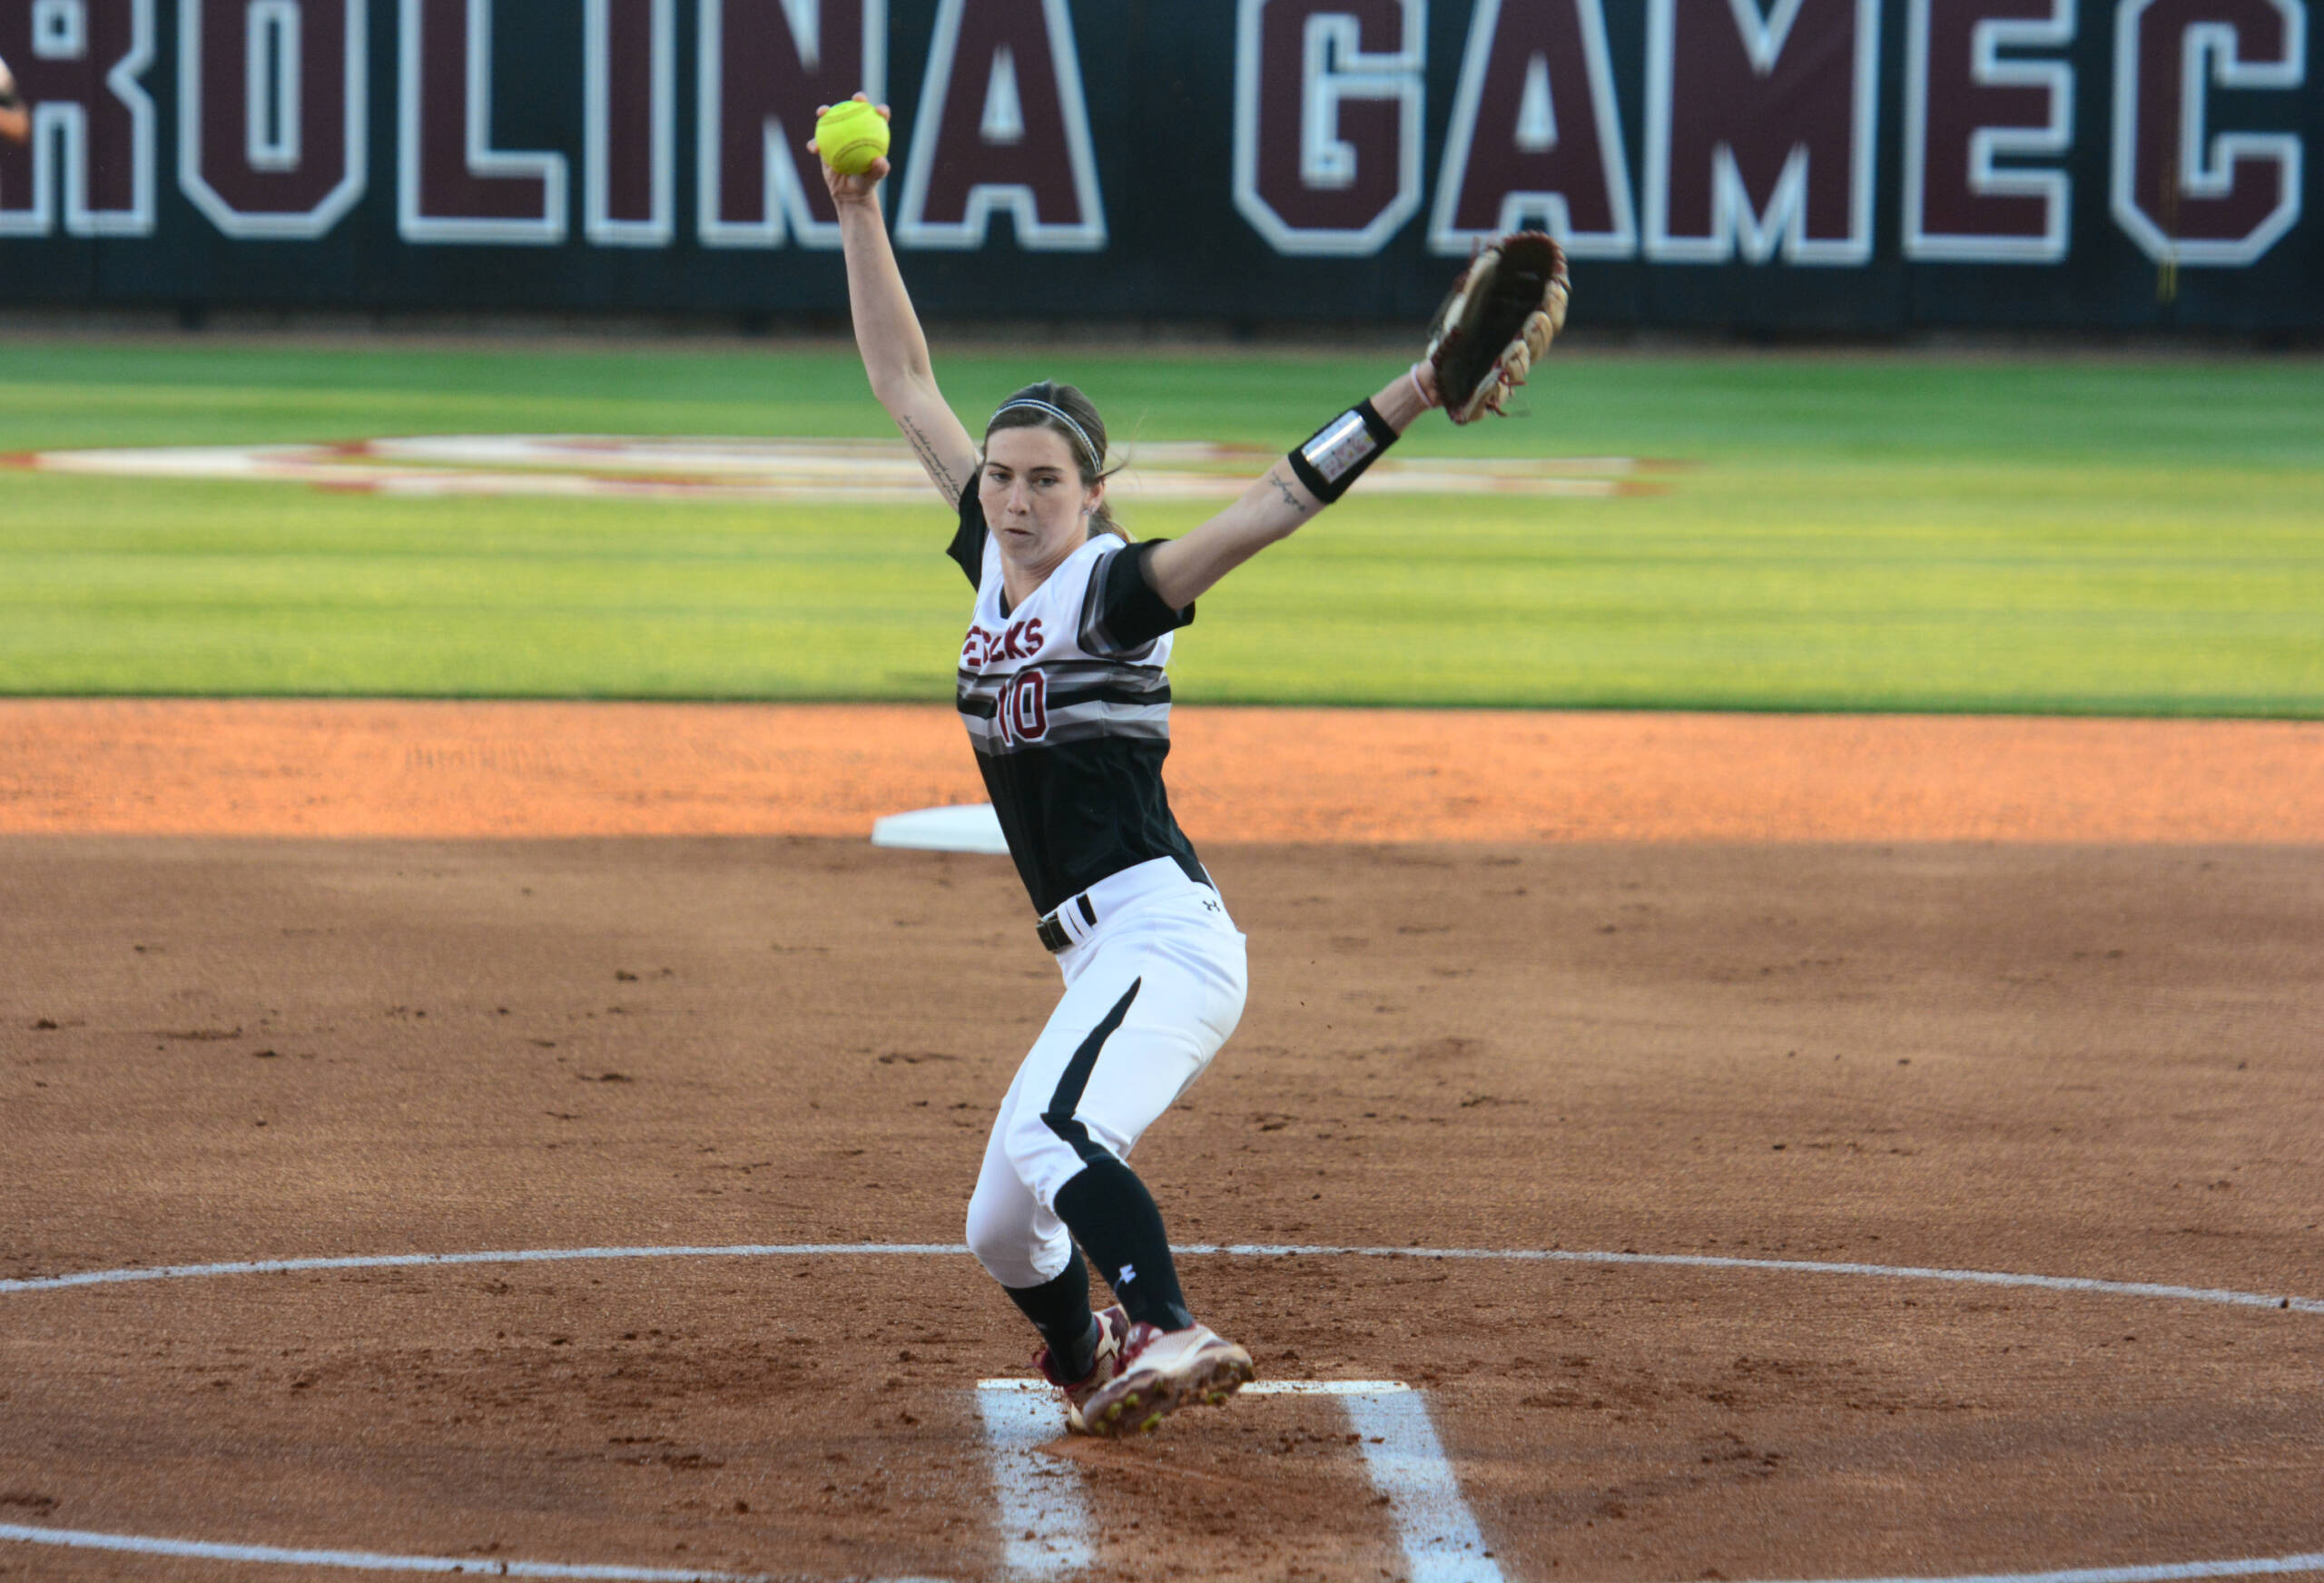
(1233, 1249)
(369, 1561)
(358, 1560)
(1044, 1390)
(1042, 1518)
(2269, 1567)
(1434, 1527)
(1780, 1266)
(1440, 1536)
(502, 1256)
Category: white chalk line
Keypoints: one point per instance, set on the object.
(359, 1561)
(2266, 1566)
(368, 1561)
(1435, 1527)
(1255, 1387)
(1233, 1250)
(500, 1256)
(1041, 1511)
(1443, 1567)
(1043, 1515)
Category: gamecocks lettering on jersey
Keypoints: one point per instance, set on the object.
(271, 113)
(765, 66)
(1002, 125)
(1025, 707)
(629, 104)
(1966, 106)
(1536, 136)
(1327, 121)
(1020, 641)
(1759, 130)
(452, 185)
(2184, 194)
(77, 65)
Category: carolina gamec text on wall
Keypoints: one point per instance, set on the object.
(1759, 125)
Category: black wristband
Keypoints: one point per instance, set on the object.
(11, 100)
(1335, 456)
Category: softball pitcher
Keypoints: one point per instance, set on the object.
(1063, 686)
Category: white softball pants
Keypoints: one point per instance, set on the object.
(1152, 990)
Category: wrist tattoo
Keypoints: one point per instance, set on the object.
(1290, 496)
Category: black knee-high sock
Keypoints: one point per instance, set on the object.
(1111, 1213)
(1060, 1309)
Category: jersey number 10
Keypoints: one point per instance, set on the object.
(1025, 707)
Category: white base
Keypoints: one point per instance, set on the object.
(969, 828)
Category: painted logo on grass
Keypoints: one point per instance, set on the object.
(646, 466)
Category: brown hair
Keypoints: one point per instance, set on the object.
(1090, 438)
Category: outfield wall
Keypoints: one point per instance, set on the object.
(1821, 165)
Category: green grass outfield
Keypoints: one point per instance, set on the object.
(1854, 532)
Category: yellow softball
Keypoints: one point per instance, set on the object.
(850, 135)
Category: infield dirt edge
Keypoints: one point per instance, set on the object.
(438, 770)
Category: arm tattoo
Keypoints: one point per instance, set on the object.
(1290, 497)
(927, 457)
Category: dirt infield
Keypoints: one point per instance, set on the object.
(2085, 1049)
(297, 767)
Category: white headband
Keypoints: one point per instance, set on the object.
(1096, 461)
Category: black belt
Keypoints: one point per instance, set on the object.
(1052, 927)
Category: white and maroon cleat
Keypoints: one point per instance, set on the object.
(1160, 1373)
(1113, 1337)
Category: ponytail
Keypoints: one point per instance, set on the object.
(1102, 520)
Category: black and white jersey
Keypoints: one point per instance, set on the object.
(1068, 706)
